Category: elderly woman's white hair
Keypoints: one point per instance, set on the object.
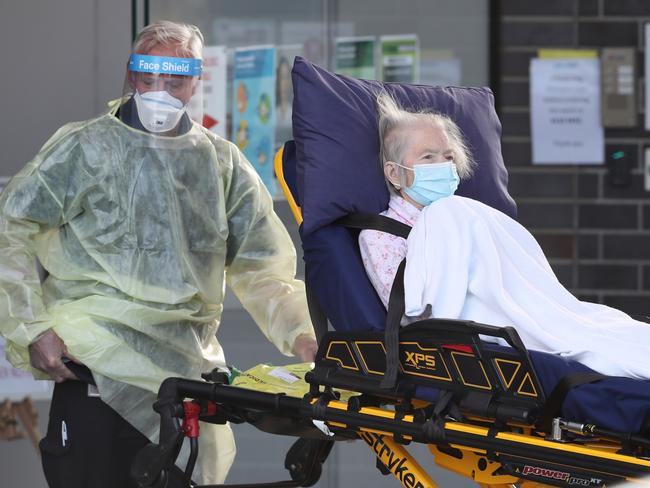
(186, 37)
(393, 140)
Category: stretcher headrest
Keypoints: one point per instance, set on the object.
(337, 143)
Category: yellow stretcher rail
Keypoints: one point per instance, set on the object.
(279, 172)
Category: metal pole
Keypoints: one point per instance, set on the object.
(134, 19)
(494, 35)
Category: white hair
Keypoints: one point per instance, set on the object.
(186, 37)
(393, 140)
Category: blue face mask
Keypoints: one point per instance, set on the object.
(432, 182)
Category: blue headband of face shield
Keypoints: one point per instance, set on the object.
(432, 182)
(165, 65)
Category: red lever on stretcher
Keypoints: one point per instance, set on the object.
(192, 412)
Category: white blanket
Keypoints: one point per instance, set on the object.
(468, 261)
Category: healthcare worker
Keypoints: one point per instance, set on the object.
(138, 216)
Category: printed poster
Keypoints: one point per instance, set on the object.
(215, 62)
(565, 111)
(355, 56)
(253, 114)
(16, 385)
(284, 92)
(399, 58)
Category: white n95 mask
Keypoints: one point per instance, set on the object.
(158, 110)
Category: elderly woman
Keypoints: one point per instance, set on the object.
(467, 261)
(424, 157)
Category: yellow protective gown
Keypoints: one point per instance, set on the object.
(138, 233)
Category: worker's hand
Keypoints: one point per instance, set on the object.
(305, 347)
(46, 354)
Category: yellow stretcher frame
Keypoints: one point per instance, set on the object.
(279, 171)
(474, 463)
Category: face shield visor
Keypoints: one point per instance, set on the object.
(162, 94)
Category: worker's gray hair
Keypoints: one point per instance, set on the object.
(393, 141)
(186, 37)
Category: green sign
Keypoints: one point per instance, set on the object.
(355, 56)
(399, 58)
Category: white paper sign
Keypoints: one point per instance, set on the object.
(283, 375)
(215, 62)
(16, 385)
(565, 111)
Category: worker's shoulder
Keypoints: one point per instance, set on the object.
(221, 145)
(69, 135)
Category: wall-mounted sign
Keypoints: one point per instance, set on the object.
(215, 61)
(355, 56)
(619, 91)
(565, 111)
(253, 119)
(399, 58)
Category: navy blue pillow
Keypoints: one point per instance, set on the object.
(337, 145)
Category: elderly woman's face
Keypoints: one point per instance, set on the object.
(425, 144)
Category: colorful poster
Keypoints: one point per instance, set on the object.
(399, 58)
(16, 385)
(355, 56)
(284, 91)
(565, 111)
(253, 118)
(215, 61)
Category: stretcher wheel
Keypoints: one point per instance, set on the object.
(305, 460)
(146, 469)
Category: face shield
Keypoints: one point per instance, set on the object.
(162, 94)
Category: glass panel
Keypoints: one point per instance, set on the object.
(453, 36)
(421, 41)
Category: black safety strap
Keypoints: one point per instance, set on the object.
(553, 405)
(391, 333)
(396, 301)
(318, 317)
(352, 221)
(375, 222)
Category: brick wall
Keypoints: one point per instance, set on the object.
(596, 235)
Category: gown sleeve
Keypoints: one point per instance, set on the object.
(261, 259)
(33, 203)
